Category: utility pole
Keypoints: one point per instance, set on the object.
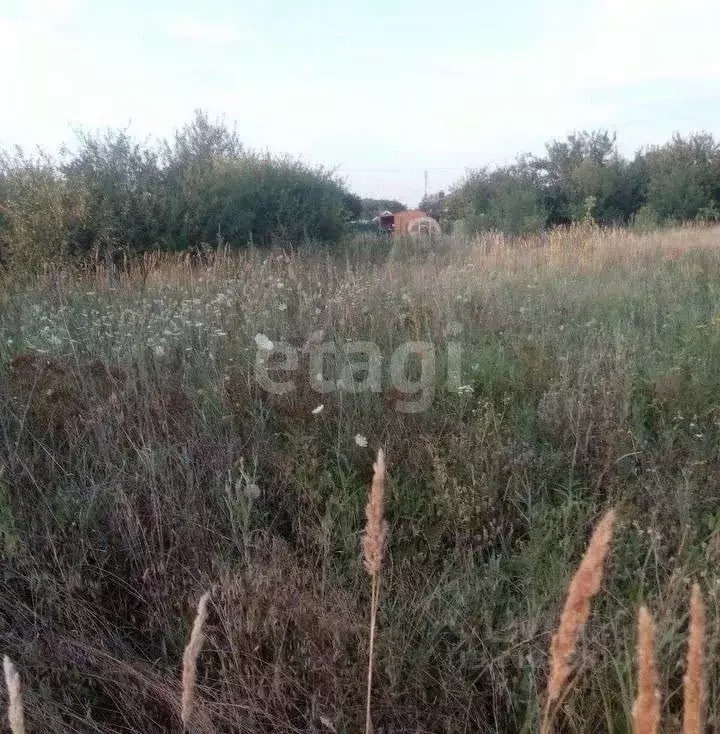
(426, 183)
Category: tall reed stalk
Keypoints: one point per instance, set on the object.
(374, 540)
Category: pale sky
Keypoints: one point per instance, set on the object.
(378, 91)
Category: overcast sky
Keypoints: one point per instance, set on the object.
(379, 91)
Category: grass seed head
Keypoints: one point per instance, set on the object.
(646, 710)
(190, 658)
(16, 716)
(694, 680)
(583, 587)
(376, 529)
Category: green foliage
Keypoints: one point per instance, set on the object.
(677, 182)
(507, 200)
(683, 178)
(114, 193)
(354, 206)
(586, 164)
(435, 205)
(256, 199)
(122, 187)
(646, 219)
(590, 206)
(372, 207)
(39, 210)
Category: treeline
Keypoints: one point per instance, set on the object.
(584, 178)
(369, 208)
(113, 193)
(203, 187)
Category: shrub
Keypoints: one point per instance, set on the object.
(114, 193)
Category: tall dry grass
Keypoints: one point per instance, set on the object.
(590, 382)
(585, 584)
(374, 540)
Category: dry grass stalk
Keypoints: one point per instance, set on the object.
(190, 657)
(374, 540)
(584, 586)
(375, 535)
(16, 715)
(646, 710)
(694, 680)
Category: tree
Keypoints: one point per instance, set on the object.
(584, 165)
(683, 178)
(122, 187)
(435, 205)
(372, 207)
(353, 206)
(508, 199)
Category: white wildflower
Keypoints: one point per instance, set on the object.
(465, 390)
(263, 342)
(361, 441)
(318, 410)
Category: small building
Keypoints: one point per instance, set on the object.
(402, 220)
(386, 221)
(398, 223)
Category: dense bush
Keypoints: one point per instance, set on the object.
(508, 200)
(114, 192)
(585, 178)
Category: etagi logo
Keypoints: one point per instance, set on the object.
(359, 367)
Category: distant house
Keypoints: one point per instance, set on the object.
(403, 219)
(386, 220)
(398, 222)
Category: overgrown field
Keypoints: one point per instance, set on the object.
(143, 463)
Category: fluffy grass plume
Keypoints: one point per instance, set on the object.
(190, 657)
(694, 680)
(16, 715)
(373, 546)
(584, 586)
(375, 535)
(646, 710)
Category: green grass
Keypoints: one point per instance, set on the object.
(594, 368)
